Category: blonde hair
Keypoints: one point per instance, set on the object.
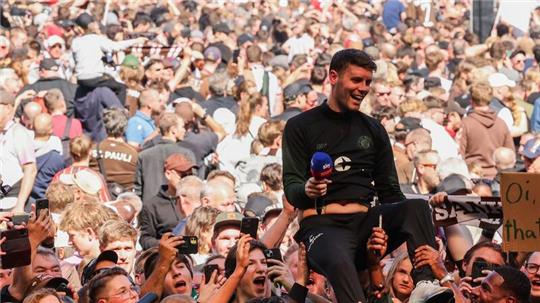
(39, 294)
(393, 269)
(433, 59)
(116, 230)
(81, 215)
(269, 131)
(412, 106)
(247, 108)
(201, 220)
(516, 110)
(79, 147)
(59, 196)
(481, 93)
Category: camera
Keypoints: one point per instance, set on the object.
(4, 189)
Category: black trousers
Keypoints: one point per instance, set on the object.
(118, 88)
(336, 244)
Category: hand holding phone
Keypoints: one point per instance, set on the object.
(41, 204)
(209, 270)
(190, 245)
(273, 253)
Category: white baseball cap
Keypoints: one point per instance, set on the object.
(498, 80)
(53, 40)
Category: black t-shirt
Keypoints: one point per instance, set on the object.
(359, 147)
(186, 92)
(532, 97)
(5, 296)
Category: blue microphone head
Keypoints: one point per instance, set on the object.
(321, 165)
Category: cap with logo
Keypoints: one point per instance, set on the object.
(228, 219)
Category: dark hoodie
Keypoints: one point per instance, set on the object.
(481, 133)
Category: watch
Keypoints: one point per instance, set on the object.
(204, 116)
(447, 278)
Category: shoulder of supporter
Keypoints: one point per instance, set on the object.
(24, 144)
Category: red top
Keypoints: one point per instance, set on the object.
(59, 123)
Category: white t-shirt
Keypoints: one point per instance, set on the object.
(234, 148)
(299, 45)
(442, 142)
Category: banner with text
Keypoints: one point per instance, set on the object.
(482, 212)
(521, 222)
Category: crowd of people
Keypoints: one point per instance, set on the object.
(147, 123)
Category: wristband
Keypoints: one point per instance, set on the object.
(447, 278)
(204, 116)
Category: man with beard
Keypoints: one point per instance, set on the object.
(141, 125)
(531, 269)
(336, 211)
(425, 164)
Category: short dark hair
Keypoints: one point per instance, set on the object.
(151, 262)
(515, 282)
(536, 53)
(345, 57)
(230, 260)
(99, 282)
(115, 122)
(479, 245)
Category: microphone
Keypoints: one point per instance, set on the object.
(321, 168)
(148, 298)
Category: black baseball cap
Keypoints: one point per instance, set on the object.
(256, 205)
(89, 271)
(48, 64)
(293, 90)
(83, 20)
(221, 28)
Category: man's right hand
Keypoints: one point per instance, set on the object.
(316, 188)
(40, 228)
(167, 246)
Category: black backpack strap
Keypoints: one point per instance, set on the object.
(99, 159)
(65, 136)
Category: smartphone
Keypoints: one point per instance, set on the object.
(250, 226)
(190, 246)
(41, 204)
(19, 219)
(16, 247)
(273, 253)
(478, 267)
(208, 270)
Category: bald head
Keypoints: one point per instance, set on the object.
(416, 141)
(219, 195)
(504, 158)
(31, 110)
(147, 97)
(388, 50)
(43, 126)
